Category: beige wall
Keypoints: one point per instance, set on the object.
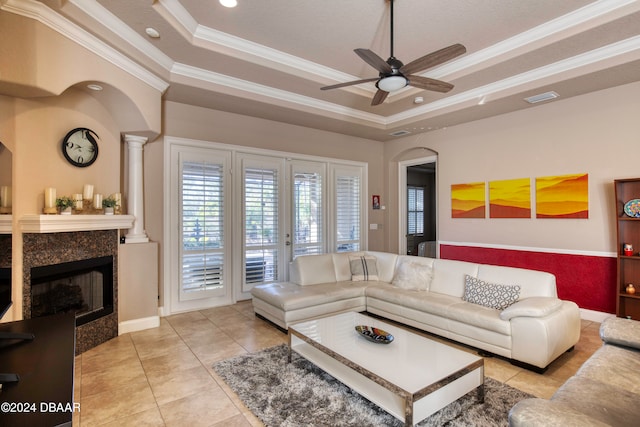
(41, 125)
(598, 134)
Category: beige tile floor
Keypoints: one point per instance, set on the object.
(163, 376)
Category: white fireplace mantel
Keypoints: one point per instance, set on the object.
(65, 223)
(5, 224)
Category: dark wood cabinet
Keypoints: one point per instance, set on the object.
(628, 233)
(43, 396)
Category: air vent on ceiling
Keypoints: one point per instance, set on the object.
(541, 97)
(400, 133)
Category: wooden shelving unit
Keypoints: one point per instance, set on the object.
(628, 232)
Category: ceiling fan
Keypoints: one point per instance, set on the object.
(395, 75)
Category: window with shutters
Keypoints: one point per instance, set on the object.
(202, 229)
(308, 206)
(348, 208)
(261, 196)
(415, 210)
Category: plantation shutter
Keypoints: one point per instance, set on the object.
(202, 227)
(261, 195)
(415, 210)
(348, 211)
(308, 227)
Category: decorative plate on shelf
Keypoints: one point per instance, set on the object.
(632, 208)
(374, 334)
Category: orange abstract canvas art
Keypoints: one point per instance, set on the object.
(563, 196)
(510, 198)
(468, 200)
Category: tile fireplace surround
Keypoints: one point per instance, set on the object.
(41, 248)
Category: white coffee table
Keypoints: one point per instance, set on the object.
(411, 378)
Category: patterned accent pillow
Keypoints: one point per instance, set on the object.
(490, 295)
(363, 268)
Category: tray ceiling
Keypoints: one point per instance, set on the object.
(269, 58)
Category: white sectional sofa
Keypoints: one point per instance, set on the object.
(510, 312)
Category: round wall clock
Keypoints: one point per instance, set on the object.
(80, 147)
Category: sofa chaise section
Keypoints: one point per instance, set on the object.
(313, 291)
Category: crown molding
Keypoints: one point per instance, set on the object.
(43, 14)
(200, 74)
(221, 42)
(559, 28)
(605, 53)
(630, 46)
(100, 14)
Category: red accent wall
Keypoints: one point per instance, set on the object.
(589, 281)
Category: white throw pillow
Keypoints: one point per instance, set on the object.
(363, 268)
(413, 276)
(490, 295)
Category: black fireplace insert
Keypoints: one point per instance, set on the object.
(84, 287)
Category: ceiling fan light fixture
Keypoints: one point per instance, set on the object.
(391, 83)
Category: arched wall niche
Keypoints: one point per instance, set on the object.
(126, 113)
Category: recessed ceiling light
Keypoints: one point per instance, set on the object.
(418, 100)
(152, 32)
(94, 86)
(229, 3)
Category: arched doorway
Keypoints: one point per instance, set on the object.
(417, 203)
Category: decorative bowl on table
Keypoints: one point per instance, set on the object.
(376, 335)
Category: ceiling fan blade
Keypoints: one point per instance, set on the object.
(355, 82)
(432, 59)
(379, 97)
(374, 60)
(429, 84)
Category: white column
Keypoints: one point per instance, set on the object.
(135, 196)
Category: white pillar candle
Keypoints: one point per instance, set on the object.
(49, 197)
(87, 192)
(5, 196)
(78, 199)
(118, 198)
(97, 201)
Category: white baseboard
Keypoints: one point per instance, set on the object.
(594, 316)
(138, 324)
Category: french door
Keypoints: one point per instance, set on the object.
(264, 251)
(201, 275)
(235, 218)
(282, 215)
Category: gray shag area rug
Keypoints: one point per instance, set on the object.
(301, 394)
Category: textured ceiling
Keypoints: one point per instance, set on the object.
(269, 58)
